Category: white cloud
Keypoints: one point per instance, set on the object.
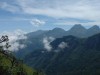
(77, 9)
(37, 22)
(61, 8)
(62, 45)
(13, 39)
(9, 7)
(46, 42)
(33, 21)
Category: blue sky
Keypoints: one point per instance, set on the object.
(31, 15)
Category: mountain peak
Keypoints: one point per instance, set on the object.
(78, 27)
(58, 29)
(95, 27)
(93, 30)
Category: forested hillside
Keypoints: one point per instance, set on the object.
(9, 65)
(69, 56)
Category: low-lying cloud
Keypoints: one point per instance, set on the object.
(46, 42)
(62, 45)
(14, 38)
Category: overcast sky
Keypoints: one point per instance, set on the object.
(30, 15)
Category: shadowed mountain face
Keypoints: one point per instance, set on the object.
(35, 39)
(69, 56)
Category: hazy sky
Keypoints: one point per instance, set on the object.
(30, 15)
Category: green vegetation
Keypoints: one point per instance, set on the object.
(81, 57)
(9, 65)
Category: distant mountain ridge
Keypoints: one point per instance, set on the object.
(35, 39)
(77, 30)
(79, 57)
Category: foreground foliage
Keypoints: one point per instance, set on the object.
(9, 65)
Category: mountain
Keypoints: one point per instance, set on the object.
(36, 42)
(9, 65)
(34, 34)
(69, 56)
(93, 30)
(78, 27)
(77, 30)
(56, 32)
(35, 39)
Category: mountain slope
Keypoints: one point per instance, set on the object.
(77, 30)
(78, 57)
(35, 39)
(9, 65)
(35, 34)
(36, 42)
(93, 30)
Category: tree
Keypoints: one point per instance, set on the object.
(4, 39)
